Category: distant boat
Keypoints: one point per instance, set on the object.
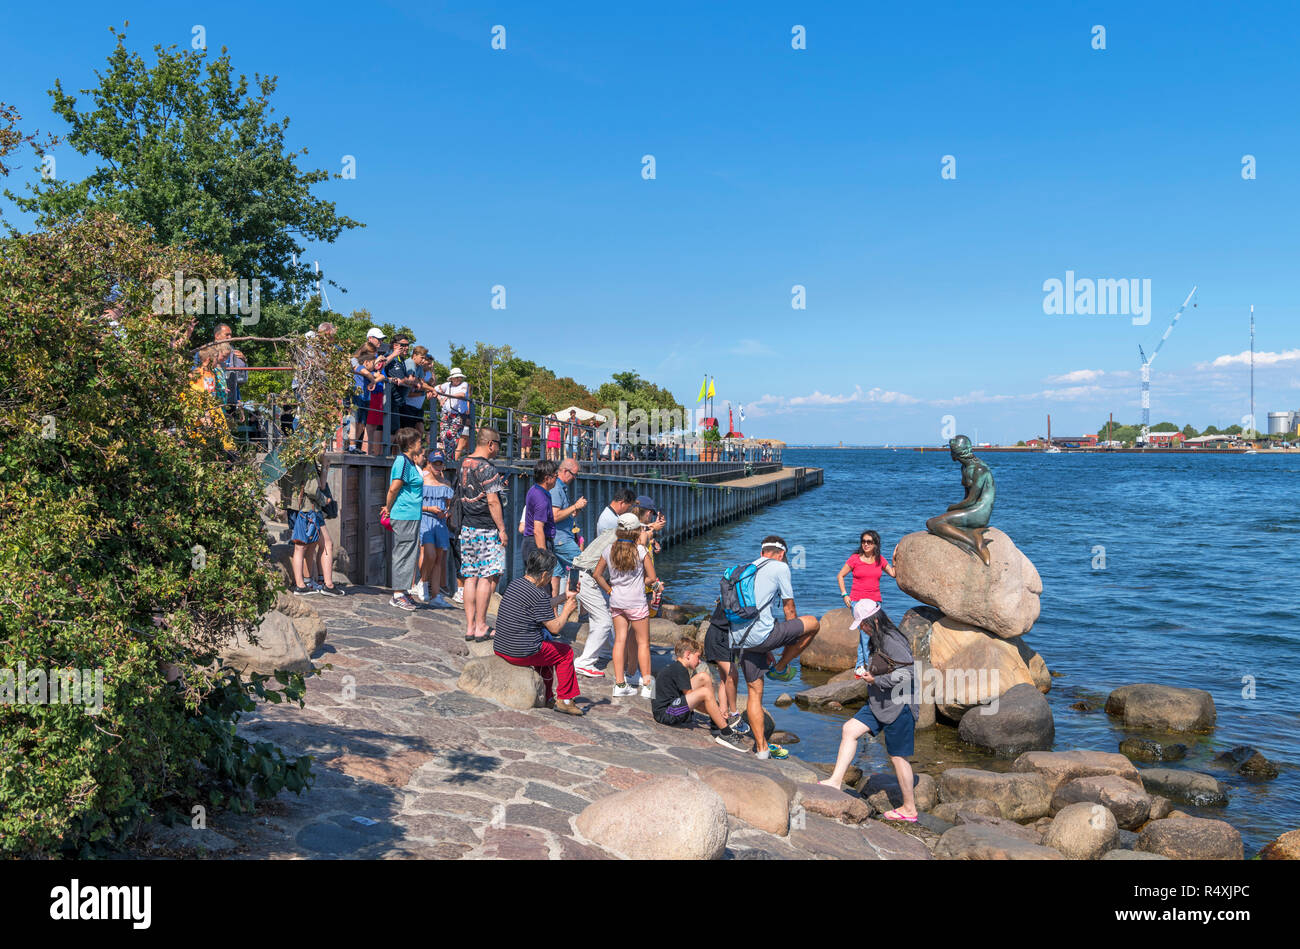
(1250, 451)
(1052, 451)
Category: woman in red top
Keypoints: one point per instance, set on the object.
(866, 564)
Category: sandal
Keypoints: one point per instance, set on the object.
(895, 815)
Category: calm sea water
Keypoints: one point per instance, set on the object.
(1199, 588)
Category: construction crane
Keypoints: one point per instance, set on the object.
(1146, 369)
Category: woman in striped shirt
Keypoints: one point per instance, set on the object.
(525, 622)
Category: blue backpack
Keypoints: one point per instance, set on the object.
(738, 603)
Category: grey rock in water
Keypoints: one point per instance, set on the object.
(783, 700)
(1021, 722)
(1189, 787)
(883, 792)
(1162, 707)
(1145, 750)
(845, 693)
(1059, 767)
(1191, 838)
(1246, 760)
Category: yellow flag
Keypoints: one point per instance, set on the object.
(700, 397)
(710, 388)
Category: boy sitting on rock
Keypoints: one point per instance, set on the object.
(680, 689)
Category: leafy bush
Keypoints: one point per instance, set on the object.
(130, 542)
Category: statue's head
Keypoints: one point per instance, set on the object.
(959, 447)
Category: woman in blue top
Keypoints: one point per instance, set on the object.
(403, 508)
(434, 537)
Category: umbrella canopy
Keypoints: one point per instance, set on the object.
(583, 414)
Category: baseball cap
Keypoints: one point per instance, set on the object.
(646, 503)
(455, 372)
(376, 332)
(437, 456)
(628, 522)
(863, 610)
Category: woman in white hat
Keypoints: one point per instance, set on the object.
(453, 397)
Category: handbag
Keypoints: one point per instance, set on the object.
(325, 501)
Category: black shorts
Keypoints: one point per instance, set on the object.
(754, 661)
(677, 714)
(717, 648)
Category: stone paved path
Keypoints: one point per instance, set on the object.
(408, 766)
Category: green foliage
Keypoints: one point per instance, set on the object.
(183, 147)
(1189, 432)
(130, 541)
(1164, 427)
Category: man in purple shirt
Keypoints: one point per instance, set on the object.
(539, 515)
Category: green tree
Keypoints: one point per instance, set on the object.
(186, 149)
(1164, 427)
(1189, 432)
(130, 542)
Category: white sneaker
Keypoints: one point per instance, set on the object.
(624, 689)
(460, 595)
(634, 678)
(416, 594)
(589, 671)
(648, 688)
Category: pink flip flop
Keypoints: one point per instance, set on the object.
(894, 815)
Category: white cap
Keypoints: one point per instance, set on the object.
(863, 610)
(311, 334)
(455, 372)
(628, 522)
(376, 332)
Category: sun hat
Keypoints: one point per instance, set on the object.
(375, 332)
(454, 373)
(628, 522)
(863, 610)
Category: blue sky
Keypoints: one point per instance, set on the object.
(775, 167)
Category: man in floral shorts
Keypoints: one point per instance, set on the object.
(482, 532)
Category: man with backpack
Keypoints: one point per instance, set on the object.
(751, 595)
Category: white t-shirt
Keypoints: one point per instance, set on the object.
(457, 403)
(627, 587)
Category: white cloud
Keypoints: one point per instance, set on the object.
(1078, 375)
(1261, 359)
(876, 395)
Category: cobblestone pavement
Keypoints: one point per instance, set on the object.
(408, 766)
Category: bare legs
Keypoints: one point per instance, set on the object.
(478, 592)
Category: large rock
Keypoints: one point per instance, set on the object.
(1058, 767)
(974, 666)
(883, 792)
(1019, 796)
(278, 648)
(306, 621)
(493, 678)
(1002, 597)
(1286, 847)
(1162, 707)
(835, 647)
(1036, 665)
(1019, 720)
(756, 799)
(829, 802)
(966, 812)
(1190, 787)
(915, 625)
(1191, 838)
(1246, 760)
(1127, 801)
(984, 842)
(846, 693)
(666, 818)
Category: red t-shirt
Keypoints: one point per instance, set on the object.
(866, 577)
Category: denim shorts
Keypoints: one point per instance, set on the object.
(900, 734)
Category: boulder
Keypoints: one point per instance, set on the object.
(493, 678)
(784, 738)
(278, 648)
(1009, 828)
(1019, 796)
(915, 625)
(1127, 801)
(1133, 855)
(756, 799)
(828, 802)
(1161, 807)
(666, 818)
(306, 621)
(974, 666)
(1191, 838)
(1246, 760)
(664, 632)
(1018, 721)
(835, 647)
(783, 700)
(1286, 847)
(846, 693)
(1189, 787)
(677, 613)
(1162, 707)
(1145, 750)
(1036, 665)
(983, 842)
(883, 792)
(852, 774)
(966, 812)
(1058, 767)
(1001, 597)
